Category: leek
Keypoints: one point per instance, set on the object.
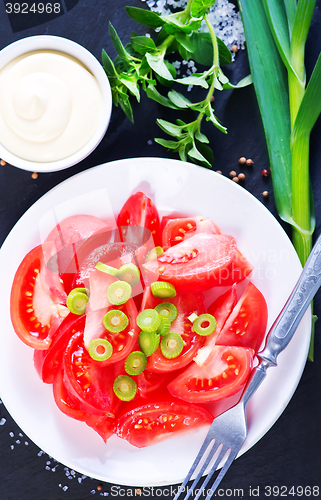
(276, 33)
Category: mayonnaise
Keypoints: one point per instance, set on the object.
(50, 106)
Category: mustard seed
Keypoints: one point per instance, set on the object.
(235, 179)
(249, 162)
(242, 160)
(3, 163)
(219, 172)
(234, 48)
(265, 194)
(241, 176)
(232, 174)
(34, 175)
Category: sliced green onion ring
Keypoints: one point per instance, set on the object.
(77, 301)
(148, 320)
(163, 290)
(100, 349)
(164, 327)
(129, 273)
(148, 342)
(135, 363)
(204, 324)
(115, 321)
(171, 345)
(106, 269)
(154, 253)
(168, 310)
(125, 387)
(119, 292)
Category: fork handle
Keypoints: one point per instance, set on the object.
(288, 320)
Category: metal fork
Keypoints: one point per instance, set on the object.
(229, 430)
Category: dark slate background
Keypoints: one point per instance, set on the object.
(290, 453)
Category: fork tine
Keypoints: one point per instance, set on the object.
(217, 461)
(198, 458)
(230, 458)
(200, 473)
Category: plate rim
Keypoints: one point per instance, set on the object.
(144, 160)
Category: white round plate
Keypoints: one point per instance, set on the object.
(173, 186)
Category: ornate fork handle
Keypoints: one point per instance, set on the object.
(288, 320)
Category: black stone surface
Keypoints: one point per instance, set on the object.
(290, 453)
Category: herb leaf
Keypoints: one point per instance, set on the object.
(149, 18)
(143, 62)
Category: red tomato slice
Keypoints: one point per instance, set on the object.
(113, 254)
(149, 383)
(224, 373)
(222, 307)
(97, 306)
(195, 264)
(200, 263)
(74, 237)
(149, 423)
(68, 404)
(186, 304)
(176, 230)
(91, 383)
(71, 406)
(77, 228)
(48, 362)
(246, 326)
(37, 302)
(139, 211)
(104, 426)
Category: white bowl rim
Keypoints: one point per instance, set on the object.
(84, 56)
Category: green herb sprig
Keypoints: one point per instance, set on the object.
(143, 64)
(276, 32)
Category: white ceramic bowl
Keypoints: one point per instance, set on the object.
(49, 42)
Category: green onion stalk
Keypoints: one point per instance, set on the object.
(276, 32)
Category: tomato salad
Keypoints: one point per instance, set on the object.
(120, 326)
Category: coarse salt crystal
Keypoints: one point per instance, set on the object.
(226, 22)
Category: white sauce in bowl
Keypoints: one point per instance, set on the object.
(50, 106)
